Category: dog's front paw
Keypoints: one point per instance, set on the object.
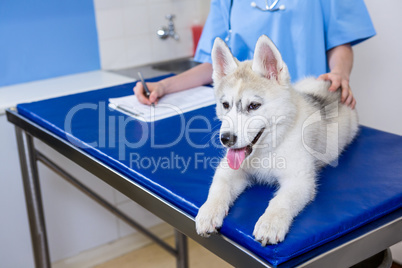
(210, 218)
(272, 227)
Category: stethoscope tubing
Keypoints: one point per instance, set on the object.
(270, 8)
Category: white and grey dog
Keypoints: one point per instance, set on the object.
(264, 115)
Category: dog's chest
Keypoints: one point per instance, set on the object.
(262, 170)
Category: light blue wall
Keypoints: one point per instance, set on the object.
(46, 38)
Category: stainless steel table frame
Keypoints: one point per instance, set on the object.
(342, 252)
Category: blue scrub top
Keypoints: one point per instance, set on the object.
(303, 32)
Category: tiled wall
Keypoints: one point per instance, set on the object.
(127, 30)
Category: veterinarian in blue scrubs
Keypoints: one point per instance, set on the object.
(314, 37)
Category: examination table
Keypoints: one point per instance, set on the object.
(356, 213)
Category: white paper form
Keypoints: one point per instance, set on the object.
(170, 105)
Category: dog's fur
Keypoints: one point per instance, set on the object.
(305, 124)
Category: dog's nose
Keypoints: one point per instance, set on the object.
(228, 139)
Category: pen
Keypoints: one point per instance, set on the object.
(146, 89)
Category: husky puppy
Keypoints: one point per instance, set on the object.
(263, 115)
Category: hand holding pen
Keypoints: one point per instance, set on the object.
(149, 93)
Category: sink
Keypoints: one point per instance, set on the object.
(157, 69)
(176, 66)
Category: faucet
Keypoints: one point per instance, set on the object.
(165, 32)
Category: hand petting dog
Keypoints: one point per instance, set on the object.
(340, 60)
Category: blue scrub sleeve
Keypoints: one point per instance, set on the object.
(216, 25)
(346, 21)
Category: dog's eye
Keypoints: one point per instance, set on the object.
(253, 106)
(225, 105)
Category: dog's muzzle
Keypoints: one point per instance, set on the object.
(236, 156)
(228, 139)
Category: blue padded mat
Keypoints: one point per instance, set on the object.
(176, 162)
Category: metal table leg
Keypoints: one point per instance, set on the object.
(182, 250)
(28, 160)
(33, 199)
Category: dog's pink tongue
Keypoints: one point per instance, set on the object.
(235, 157)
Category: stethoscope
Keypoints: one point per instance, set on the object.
(268, 7)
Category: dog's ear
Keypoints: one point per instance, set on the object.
(223, 62)
(267, 59)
